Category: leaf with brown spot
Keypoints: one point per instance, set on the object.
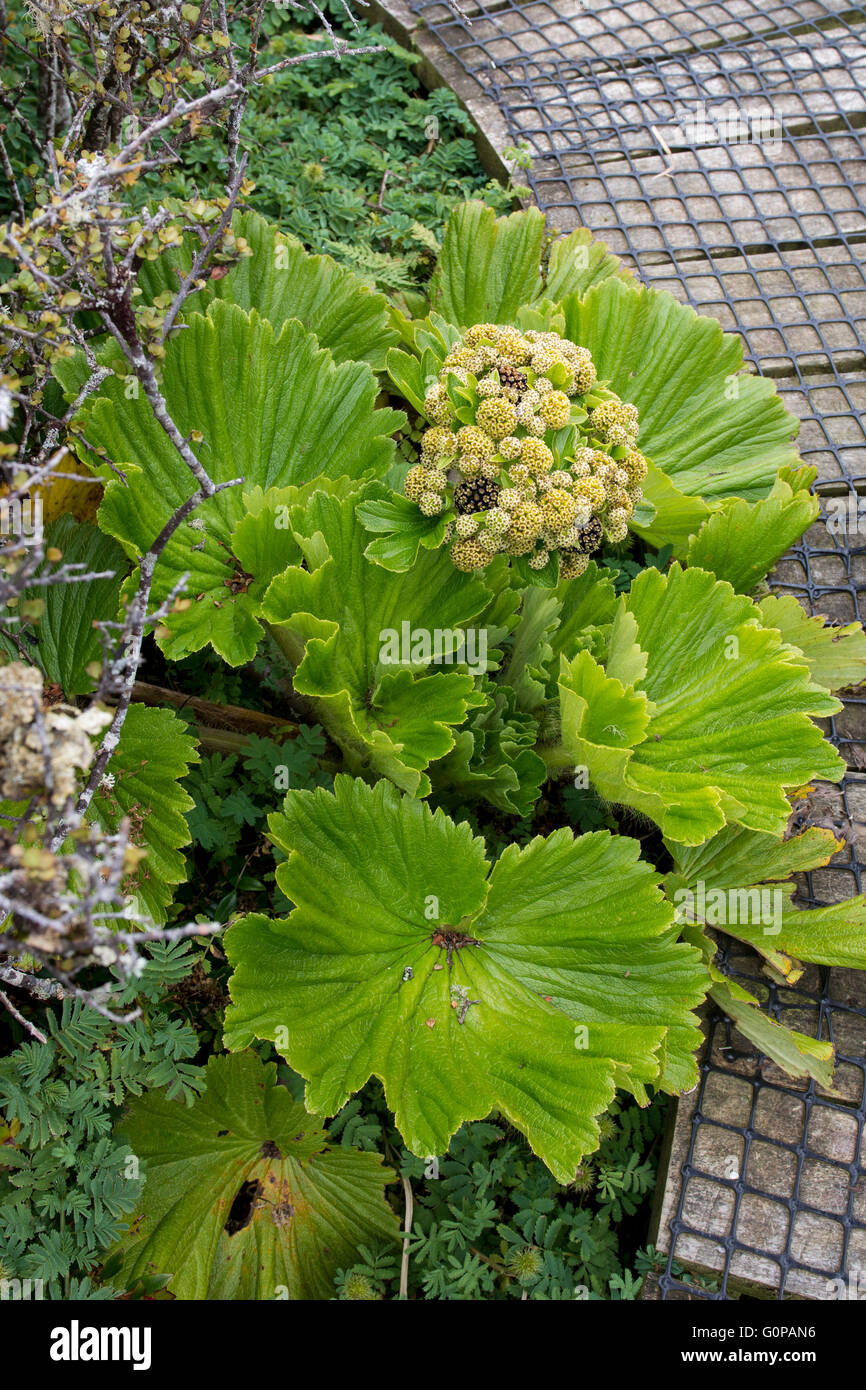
(244, 1194)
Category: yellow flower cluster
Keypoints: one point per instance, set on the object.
(547, 465)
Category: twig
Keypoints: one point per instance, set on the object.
(407, 1231)
(203, 255)
(232, 716)
(10, 175)
(40, 989)
(30, 1027)
(342, 51)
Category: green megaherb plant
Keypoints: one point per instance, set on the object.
(513, 1017)
(544, 949)
(440, 924)
(707, 445)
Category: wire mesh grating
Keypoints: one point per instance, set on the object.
(773, 1189)
(641, 120)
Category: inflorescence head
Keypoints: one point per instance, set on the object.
(540, 460)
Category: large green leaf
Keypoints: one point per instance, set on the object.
(587, 604)
(586, 943)
(144, 784)
(836, 656)
(552, 621)
(718, 726)
(565, 950)
(736, 857)
(335, 620)
(282, 281)
(244, 1197)
(67, 639)
(717, 432)
(275, 411)
(667, 516)
(488, 266)
(576, 263)
(530, 659)
(796, 1053)
(731, 884)
(742, 541)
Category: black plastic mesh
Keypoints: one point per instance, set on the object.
(773, 1188)
(769, 241)
(617, 104)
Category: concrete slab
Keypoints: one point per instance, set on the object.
(801, 311)
(832, 408)
(738, 196)
(793, 87)
(741, 1181)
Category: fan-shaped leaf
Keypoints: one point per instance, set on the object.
(533, 987)
(494, 759)
(723, 883)
(576, 263)
(153, 755)
(488, 266)
(282, 281)
(836, 656)
(274, 411)
(339, 620)
(244, 1198)
(717, 728)
(742, 541)
(796, 1053)
(717, 432)
(489, 269)
(67, 640)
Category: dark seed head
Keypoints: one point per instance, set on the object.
(591, 536)
(512, 376)
(476, 496)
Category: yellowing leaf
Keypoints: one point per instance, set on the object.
(244, 1197)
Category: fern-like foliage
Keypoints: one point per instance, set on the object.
(491, 1223)
(66, 1185)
